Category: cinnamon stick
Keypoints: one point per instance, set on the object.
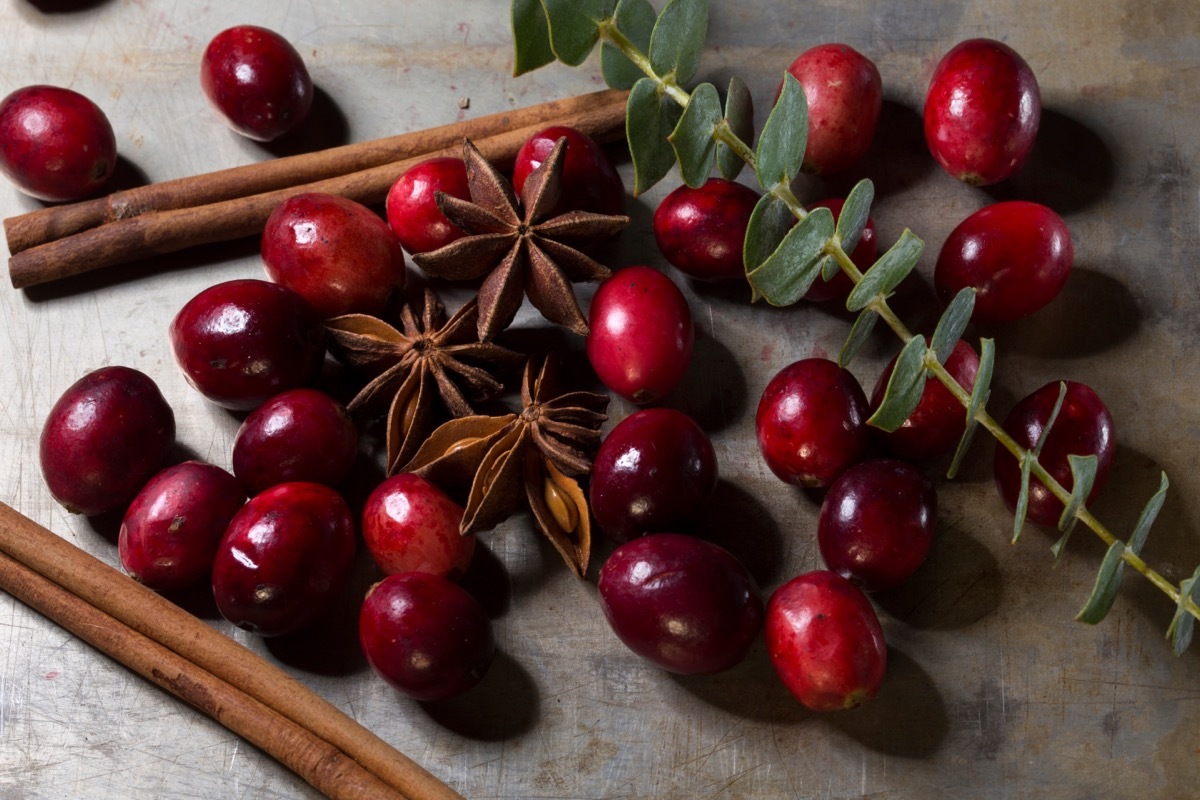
(48, 224)
(323, 766)
(151, 615)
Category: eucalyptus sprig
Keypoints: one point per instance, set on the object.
(787, 248)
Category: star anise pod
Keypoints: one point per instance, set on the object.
(538, 454)
(521, 249)
(417, 364)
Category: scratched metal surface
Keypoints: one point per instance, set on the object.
(992, 691)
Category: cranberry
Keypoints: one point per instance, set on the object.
(412, 204)
(845, 95)
(655, 471)
(410, 525)
(702, 231)
(299, 435)
(641, 335)
(825, 641)
(335, 253)
(257, 81)
(1083, 427)
(982, 111)
(838, 287)
(284, 557)
(241, 342)
(682, 603)
(425, 635)
(939, 420)
(55, 144)
(169, 535)
(811, 422)
(107, 435)
(877, 522)
(1016, 254)
(589, 180)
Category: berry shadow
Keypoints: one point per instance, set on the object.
(504, 705)
(737, 520)
(898, 158)
(64, 6)
(713, 390)
(325, 127)
(486, 579)
(108, 525)
(750, 689)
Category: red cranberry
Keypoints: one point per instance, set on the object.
(655, 471)
(107, 435)
(589, 180)
(845, 95)
(641, 335)
(335, 253)
(863, 256)
(939, 420)
(982, 111)
(410, 525)
(1083, 427)
(169, 536)
(682, 603)
(701, 231)
(825, 641)
(412, 204)
(257, 81)
(299, 435)
(284, 557)
(55, 144)
(241, 342)
(811, 422)
(877, 523)
(1016, 254)
(425, 635)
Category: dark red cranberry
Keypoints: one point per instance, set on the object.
(655, 471)
(107, 435)
(55, 144)
(169, 535)
(284, 558)
(1083, 427)
(701, 232)
(589, 180)
(257, 81)
(811, 422)
(412, 209)
(425, 635)
(410, 525)
(863, 256)
(242, 342)
(682, 603)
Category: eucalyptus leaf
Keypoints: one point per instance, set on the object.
(1180, 629)
(1058, 404)
(739, 116)
(769, 223)
(1148, 515)
(1083, 477)
(678, 38)
(788, 272)
(952, 324)
(979, 397)
(1022, 497)
(887, 273)
(635, 20)
(904, 387)
(964, 444)
(531, 36)
(575, 27)
(693, 139)
(859, 333)
(853, 219)
(829, 268)
(781, 146)
(1104, 591)
(650, 117)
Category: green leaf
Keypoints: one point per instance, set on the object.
(649, 118)
(739, 115)
(769, 223)
(853, 219)
(531, 37)
(693, 139)
(858, 336)
(979, 397)
(1083, 477)
(1148, 515)
(887, 273)
(1104, 592)
(575, 27)
(788, 272)
(904, 387)
(1180, 630)
(785, 134)
(635, 19)
(1022, 497)
(952, 324)
(678, 38)
(829, 268)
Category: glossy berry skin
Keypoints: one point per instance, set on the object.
(684, 604)
(284, 558)
(982, 111)
(1083, 427)
(938, 422)
(168, 538)
(877, 523)
(107, 435)
(811, 422)
(640, 338)
(410, 525)
(701, 232)
(863, 256)
(655, 471)
(55, 144)
(241, 342)
(335, 253)
(298, 435)
(257, 81)
(1016, 254)
(412, 210)
(845, 96)
(425, 635)
(589, 180)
